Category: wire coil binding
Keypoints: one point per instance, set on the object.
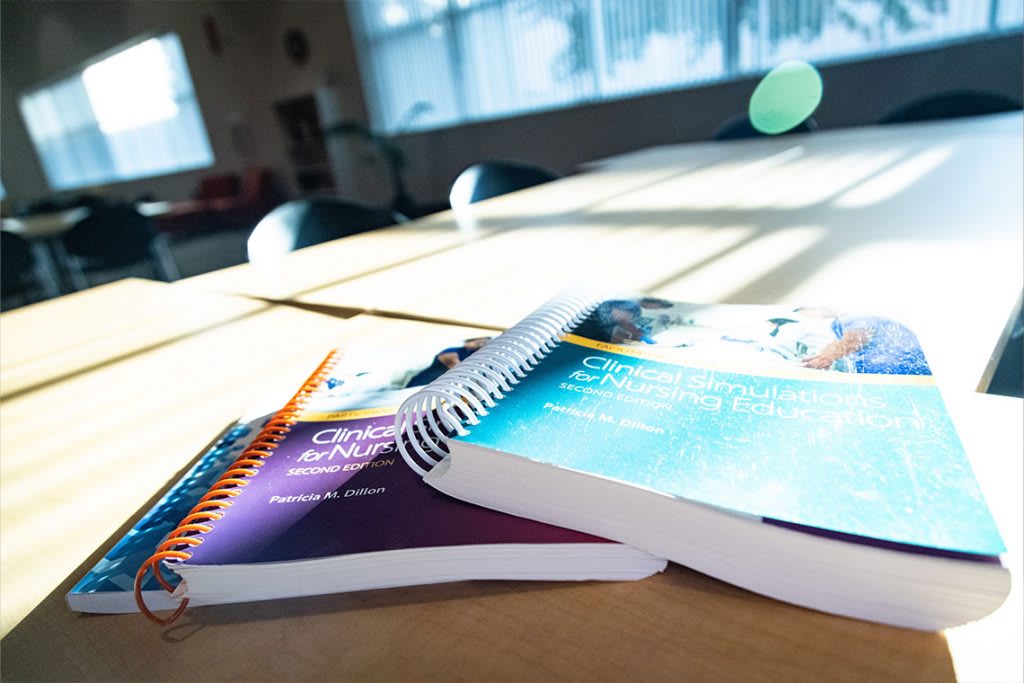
(229, 485)
(427, 420)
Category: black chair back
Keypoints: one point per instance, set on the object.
(305, 222)
(494, 178)
(115, 236)
(17, 265)
(952, 105)
(111, 236)
(739, 127)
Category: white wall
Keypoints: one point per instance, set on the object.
(41, 38)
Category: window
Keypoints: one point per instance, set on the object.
(127, 115)
(441, 62)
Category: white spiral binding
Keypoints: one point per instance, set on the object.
(464, 393)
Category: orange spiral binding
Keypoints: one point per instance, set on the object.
(200, 518)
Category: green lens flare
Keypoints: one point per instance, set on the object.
(785, 97)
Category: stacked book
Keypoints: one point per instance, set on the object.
(800, 453)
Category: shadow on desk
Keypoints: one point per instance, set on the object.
(679, 624)
(346, 312)
(401, 598)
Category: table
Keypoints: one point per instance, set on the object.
(43, 231)
(342, 261)
(43, 225)
(85, 331)
(58, 271)
(333, 262)
(990, 649)
(676, 227)
(872, 219)
(153, 209)
(83, 454)
(679, 623)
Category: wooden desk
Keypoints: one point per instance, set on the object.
(333, 262)
(923, 222)
(82, 455)
(991, 649)
(677, 625)
(342, 261)
(55, 339)
(876, 219)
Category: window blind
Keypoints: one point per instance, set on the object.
(433, 63)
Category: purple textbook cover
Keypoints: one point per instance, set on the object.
(338, 486)
(107, 587)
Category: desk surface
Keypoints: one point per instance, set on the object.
(921, 222)
(679, 624)
(342, 261)
(63, 337)
(83, 453)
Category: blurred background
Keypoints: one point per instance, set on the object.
(203, 116)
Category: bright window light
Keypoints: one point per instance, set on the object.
(131, 114)
(134, 88)
(395, 15)
(892, 181)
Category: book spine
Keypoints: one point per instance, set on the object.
(211, 506)
(442, 409)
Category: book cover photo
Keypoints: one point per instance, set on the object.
(337, 486)
(802, 453)
(799, 415)
(333, 508)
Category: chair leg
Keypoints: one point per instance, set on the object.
(47, 273)
(163, 259)
(73, 267)
(78, 279)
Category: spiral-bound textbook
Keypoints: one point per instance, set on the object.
(321, 502)
(802, 453)
(108, 586)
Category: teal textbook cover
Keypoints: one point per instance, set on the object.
(806, 425)
(334, 509)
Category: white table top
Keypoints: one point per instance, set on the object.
(41, 225)
(923, 222)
